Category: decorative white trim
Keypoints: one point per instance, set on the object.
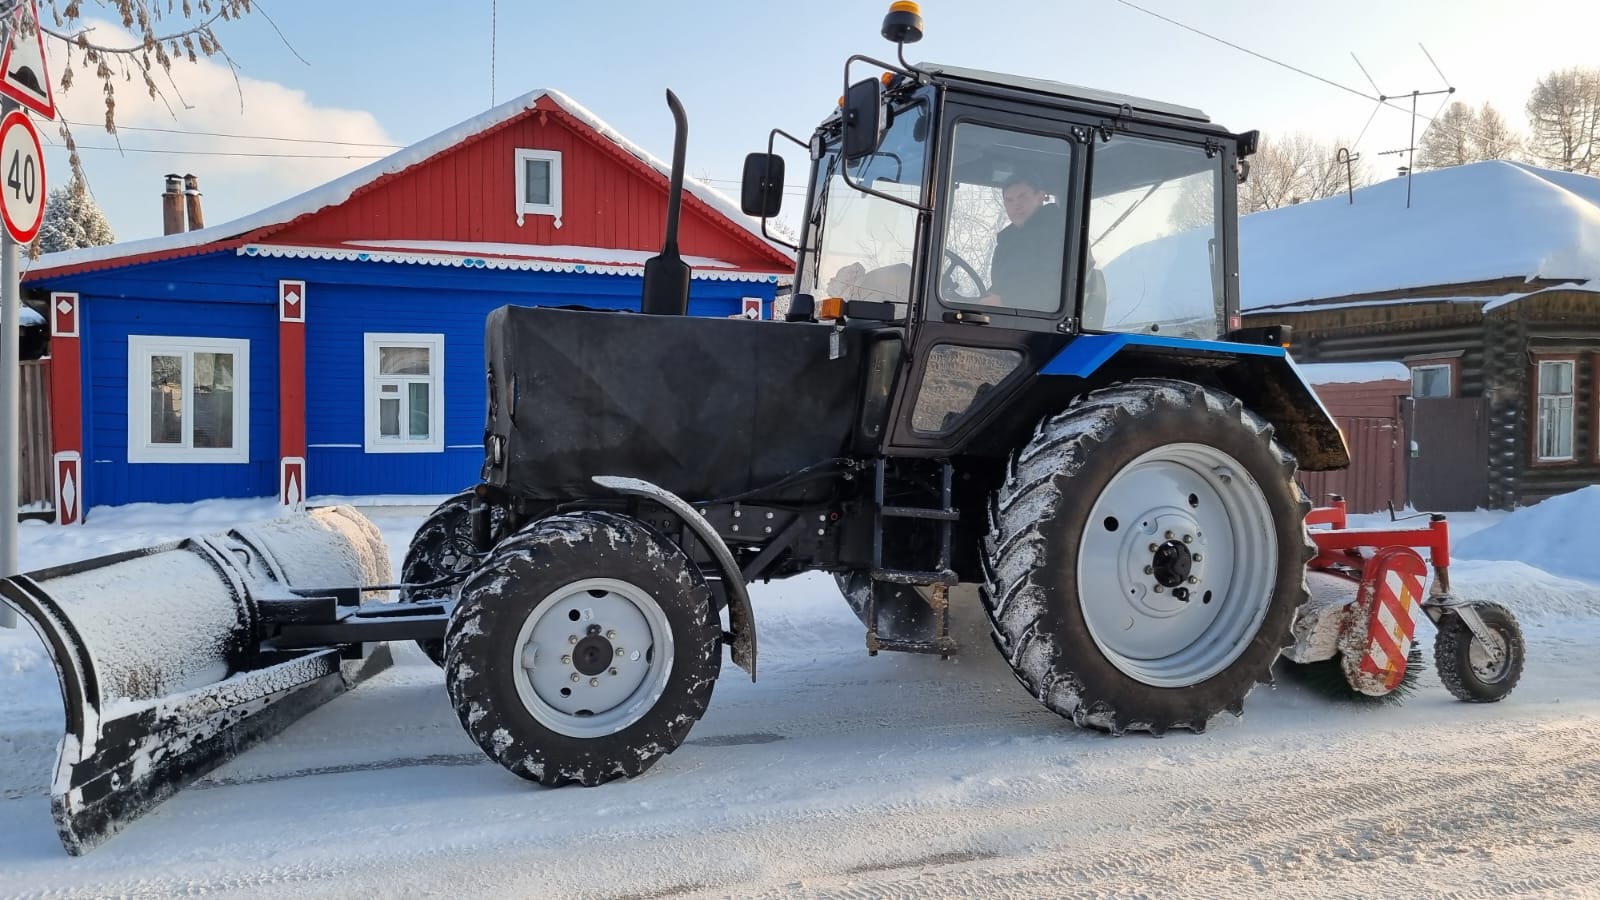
(291, 301)
(345, 254)
(434, 344)
(74, 310)
(140, 348)
(292, 485)
(524, 208)
(69, 487)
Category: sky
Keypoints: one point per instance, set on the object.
(370, 76)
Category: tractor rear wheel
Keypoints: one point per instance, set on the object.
(1138, 582)
(582, 650)
(442, 547)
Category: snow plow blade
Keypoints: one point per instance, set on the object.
(162, 669)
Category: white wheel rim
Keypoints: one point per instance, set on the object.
(1181, 521)
(593, 657)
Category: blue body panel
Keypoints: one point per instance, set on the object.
(1087, 353)
(225, 295)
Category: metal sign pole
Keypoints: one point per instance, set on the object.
(10, 393)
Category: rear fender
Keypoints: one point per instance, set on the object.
(741, 619)
(1264, 377)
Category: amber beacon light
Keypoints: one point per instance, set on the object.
(903, 24)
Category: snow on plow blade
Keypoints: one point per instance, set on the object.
(163, 675)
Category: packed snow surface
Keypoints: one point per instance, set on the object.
(843, 775)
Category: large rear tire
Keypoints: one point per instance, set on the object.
(583, 650)
(1146, 557)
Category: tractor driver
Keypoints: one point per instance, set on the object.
(1025, 271)
(1026, 268)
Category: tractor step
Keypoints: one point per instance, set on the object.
(920, 512)
(911, 576)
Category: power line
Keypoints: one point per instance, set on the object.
(1378, 97)
(247, 137)
(226, 153)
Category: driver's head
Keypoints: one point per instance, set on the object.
(1023, 198)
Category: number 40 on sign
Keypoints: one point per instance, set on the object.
(21, 176)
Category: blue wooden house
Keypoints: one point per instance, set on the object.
(332, 344)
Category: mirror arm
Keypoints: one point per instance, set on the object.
(770, 137)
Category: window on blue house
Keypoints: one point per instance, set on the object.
(405, 393)
(188, 400)
(538, 184)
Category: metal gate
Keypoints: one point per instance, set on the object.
(1448, 457)
(1375, 474)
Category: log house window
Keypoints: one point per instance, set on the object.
(1432, 381)
(539, 184)
(1556, 383)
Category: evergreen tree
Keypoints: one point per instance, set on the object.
(71, 220)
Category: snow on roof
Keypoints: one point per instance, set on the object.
(341, 189)
(1354, 373)
(516, 257)
(1476, 222)
(29, 317)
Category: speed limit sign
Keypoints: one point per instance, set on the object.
(21, 176)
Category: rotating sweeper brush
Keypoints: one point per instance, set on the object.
(1363, 647)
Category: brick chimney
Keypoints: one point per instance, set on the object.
(191, 198)
(172, 206)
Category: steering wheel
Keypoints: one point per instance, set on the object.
(947, 279)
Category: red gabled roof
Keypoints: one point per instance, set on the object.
(379, 197)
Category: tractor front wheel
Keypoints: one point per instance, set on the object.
(582, 650)
(1146, 556)
(442, 547)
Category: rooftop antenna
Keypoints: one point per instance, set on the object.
(1411, 149)
(1345, 156)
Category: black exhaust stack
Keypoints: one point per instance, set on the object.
(666, 276)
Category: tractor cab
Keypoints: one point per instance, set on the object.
(978, 222)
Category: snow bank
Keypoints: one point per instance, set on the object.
(1547, 536)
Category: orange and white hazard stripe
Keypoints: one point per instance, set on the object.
(1399, 578)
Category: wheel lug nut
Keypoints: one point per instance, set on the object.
(1154, 547)
(566, 660)
(1197, 557)
(1193, 579)
(1188, 539)
(594, 682)
(619, 651)
(1160, 589)
(611, 635)
(575, 677)
(613, 673)
(1169, 535)
(572, 639)
(1149, 569)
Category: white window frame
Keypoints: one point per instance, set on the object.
(434, 344)
(1555, 406)
(1449, 380)
(553, 208)
(141, 348)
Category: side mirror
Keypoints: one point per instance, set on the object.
(762, 193)
(863, 118)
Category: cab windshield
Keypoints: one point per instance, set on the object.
(857, 246)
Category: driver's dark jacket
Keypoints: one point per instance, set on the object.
(1026, 269)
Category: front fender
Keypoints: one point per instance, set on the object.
(1264, 377)
(741, 618)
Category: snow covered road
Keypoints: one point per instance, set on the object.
(843, 775)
